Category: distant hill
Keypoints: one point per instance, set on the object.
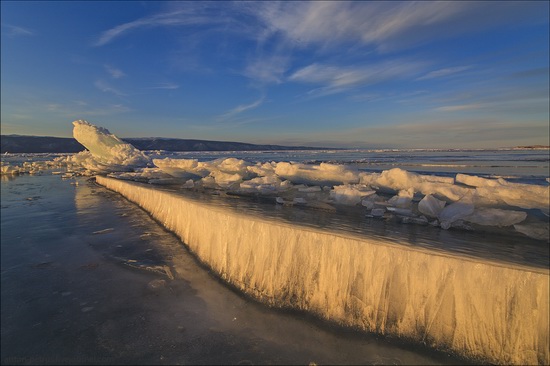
(534, 147)
(38, 144)
(44, 144)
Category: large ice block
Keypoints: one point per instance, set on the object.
(513, 194)
(322, 174)
(106, 151)
(480, 309)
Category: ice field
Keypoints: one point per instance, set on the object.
(480, 306)
(517, 202)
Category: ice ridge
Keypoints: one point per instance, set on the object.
(476, 308)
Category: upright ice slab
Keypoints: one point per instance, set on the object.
(108, 152)
(474, 307)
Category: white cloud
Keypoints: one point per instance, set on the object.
(65, 110)
(337, 79)
(184, 15)
(14, 31)
(267, 69)
(462, 107)
(497, 99)
(53, 107)
(283, 29)
(443, 72)
(242, 108)
(105, 110)
(168, 86)
(388, 25)
(330, 23)
(114, 72)
(107, 88)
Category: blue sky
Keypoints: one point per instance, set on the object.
(339, 74)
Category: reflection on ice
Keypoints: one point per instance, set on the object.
(535, 230)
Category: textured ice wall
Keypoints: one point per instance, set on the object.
(477, 308)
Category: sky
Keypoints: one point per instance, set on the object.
(377, 74)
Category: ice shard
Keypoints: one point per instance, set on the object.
(431, 206)
(456, 211)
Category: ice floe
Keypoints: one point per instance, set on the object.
(513, 194)
(322, 174)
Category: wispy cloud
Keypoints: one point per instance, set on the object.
(104, 110)
(282, 30)
(267, 69)
(168, 86)
(387, 25)
(15, 31)
(444, 72)
(524, 99)
(336, 79)
(190, 14)
(66, 110)
(114, 72)
(107, 88)
(462, 107)
(241, 108)
(52, 107)
(81, 108)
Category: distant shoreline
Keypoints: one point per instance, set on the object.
(533, 147)
(48, 144)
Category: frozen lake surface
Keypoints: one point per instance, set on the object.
(84, 236)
